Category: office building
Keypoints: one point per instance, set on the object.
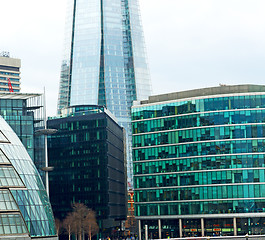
(87, 153)
(9, 73)
(199, 162)
(25, 210)
(24, 113)
(104, 59)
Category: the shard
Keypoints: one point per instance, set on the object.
(104, 59)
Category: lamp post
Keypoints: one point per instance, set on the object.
(46, 168)
(46, 132)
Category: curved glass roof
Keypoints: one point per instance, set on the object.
(24, 204)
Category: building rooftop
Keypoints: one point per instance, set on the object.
(6, 60)
(80, 110)
(222, 89)
(23, 96)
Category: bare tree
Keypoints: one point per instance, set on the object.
(69, 224)
(90, 224)
(85, 219)
(58, 225)
(81, 221)
(79, 211)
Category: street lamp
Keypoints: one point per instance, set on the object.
(46, 132)
(47, 168)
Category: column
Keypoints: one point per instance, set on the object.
(202, 227)
(146, 232)
(235, 227)
(139, 230)
(180, 228)
(159, 229)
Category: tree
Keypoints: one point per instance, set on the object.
(90, 225)
(58, 225)
(69, 224)
(79, 213)
(81, 221)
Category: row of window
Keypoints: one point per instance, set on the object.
(201, 163)
(200, 193)
(200, 149)
(6, 84)
(79, 125)
(212, 227)
(200, 178)
(7, 90)
(204, 207)
(199, 120)
(6, 201)
(11, 103)
(8, 177)
(12, 224)
(9, 73)
(201, 134)
(198, 105)
(81, 136)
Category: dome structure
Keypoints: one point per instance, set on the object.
(25, 210)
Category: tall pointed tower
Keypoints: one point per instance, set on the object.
(104, 59)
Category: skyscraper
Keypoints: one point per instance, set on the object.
(104, 59)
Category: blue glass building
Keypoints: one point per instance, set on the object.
(25, 210)
(104, 60)
(199, 162)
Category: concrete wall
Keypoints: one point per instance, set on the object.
(224, 89)
(12, 62)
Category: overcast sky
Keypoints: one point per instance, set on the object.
(190, 43)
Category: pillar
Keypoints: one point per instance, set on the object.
(202, 227)
(180, 228)
(146, 232)
(235, 227)
(139, 230)
(159, 229)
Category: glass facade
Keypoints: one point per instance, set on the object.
(87, 153)
(201, 156)
(25, 114)
(25, 210)
(104, 59)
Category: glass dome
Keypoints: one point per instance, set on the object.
(25, 209)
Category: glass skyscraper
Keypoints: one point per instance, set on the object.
(104, 59)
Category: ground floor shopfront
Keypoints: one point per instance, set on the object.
(216, 225)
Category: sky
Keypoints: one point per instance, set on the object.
(190, 43)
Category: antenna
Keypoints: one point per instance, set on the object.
(5, 54)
